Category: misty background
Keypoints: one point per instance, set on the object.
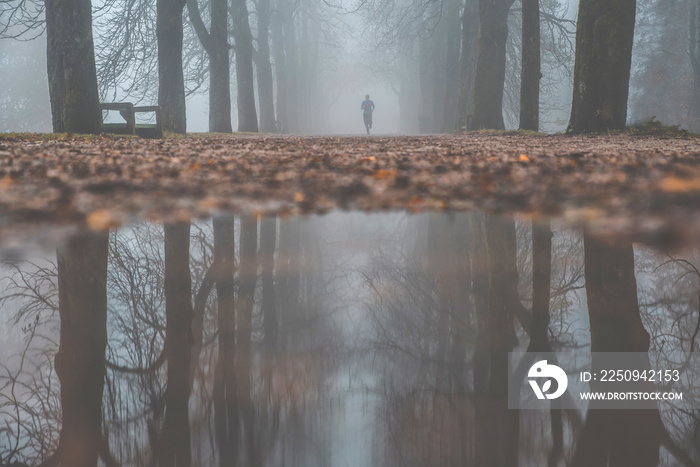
(360, 47)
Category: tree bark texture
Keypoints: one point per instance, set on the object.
(467, 63)
(491, 65)
(80, 361)
(175, 447)
(171, 80)
(243, 39)
(264, 68)
(71, 67)
(531, 73)
(604, 38)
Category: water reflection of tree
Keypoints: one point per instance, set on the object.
(669, 301)
(444, 308)
(165, 341)
(29, 397)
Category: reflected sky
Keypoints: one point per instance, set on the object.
(348, 339)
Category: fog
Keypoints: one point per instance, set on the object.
(406, 56)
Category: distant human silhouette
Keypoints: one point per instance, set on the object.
(367, 108)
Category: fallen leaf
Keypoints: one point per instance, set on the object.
(384, 174)
(103, 219)
(675, 184)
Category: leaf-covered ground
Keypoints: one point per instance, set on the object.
(642, 185)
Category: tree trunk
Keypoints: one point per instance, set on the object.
(467, 63)
(219, 70)
(267, 105)
(288, 279)
(615, 437)
(502, 431)
(247, 277)
(276, 31)
(541, 285)
(530, 74)
(215, 43)
(604, 38)
(225, 385)
(80, 361)
(175, 444)
(427, 76)
(292, 64)
(243, 38)
(694, 52)
(481, 359)
(453, 66)
(71, 67)
(171, 80)
(268, 238)
(304, 71)
(491, 65)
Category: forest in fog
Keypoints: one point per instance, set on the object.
(303, 66)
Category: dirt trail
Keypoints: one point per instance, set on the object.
(646, 185)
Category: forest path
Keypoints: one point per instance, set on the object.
(627, 183)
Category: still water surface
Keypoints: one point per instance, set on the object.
(348, 339)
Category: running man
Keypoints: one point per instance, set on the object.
(367, 108)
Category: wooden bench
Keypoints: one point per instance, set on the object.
(129, 127)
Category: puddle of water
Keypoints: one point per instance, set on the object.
(342, 340)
